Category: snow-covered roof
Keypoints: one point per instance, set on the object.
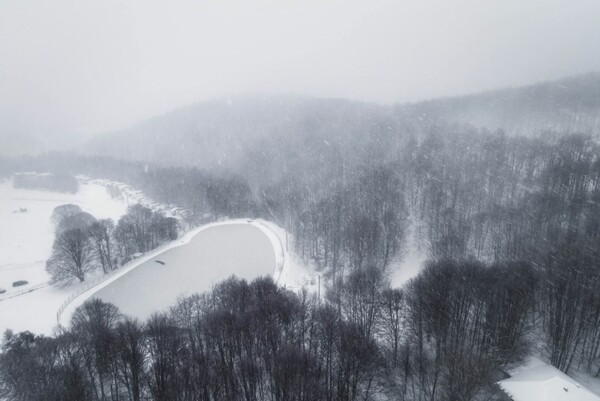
(538, 381)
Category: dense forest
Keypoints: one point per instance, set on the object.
(510, 224)
(256, 341)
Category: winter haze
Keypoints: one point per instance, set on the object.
(72, 68)
(226, 200)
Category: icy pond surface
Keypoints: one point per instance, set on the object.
(211, 256)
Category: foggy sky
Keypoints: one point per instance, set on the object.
(89, 66)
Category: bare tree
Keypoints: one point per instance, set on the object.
(101, 236)
(131, 354)
(63, 211)
(361, 298)
(72, 256)
(392, 305)
(94, 324)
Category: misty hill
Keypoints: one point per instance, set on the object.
(256, 135)
(20, 143)
(566, 105)
(269, 136)
(16, 142)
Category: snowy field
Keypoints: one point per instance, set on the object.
(537, 380)
(25, 244)
(27, 235)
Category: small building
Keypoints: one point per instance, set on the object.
(538, 381)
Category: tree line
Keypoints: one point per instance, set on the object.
(47, 182)
(443, 337)
(221, 195)
(83, 244)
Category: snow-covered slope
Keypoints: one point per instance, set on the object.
(538, 381)
(291, 273)
(411, 262)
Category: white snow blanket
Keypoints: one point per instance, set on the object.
(538, 381)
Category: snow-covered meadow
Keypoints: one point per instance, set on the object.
(27, 235)
(26, 243)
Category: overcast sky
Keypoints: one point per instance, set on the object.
(91, 66)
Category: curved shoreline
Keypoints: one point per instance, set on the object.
(66, 310)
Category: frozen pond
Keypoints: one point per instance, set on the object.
(211, 256)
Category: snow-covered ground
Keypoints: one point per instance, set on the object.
(26, 243)
(592, 383)
(536, 380)
(291, 273)
(27, 233)
(410, 264)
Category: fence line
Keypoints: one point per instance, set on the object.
(86, 286)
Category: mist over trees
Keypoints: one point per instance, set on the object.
(258, 135)
(509, 220)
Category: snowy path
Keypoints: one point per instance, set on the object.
(411, 263)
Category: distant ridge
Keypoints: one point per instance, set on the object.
(569, 104)
(243, 132)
